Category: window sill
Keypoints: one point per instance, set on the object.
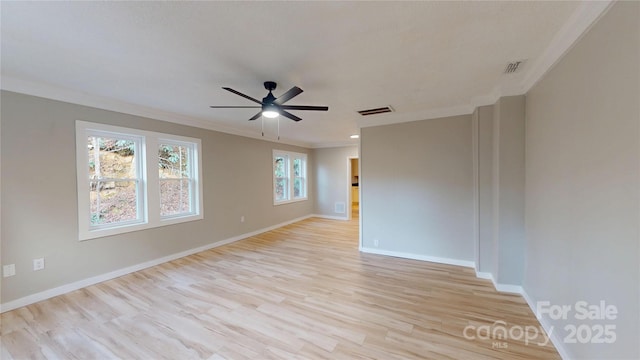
(117, 230)
(275, 203)
(180, 219)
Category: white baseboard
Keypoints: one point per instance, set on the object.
(505, 288)
(517, 289)
(331, 217)
(434, 259)
(43, 295)
(508, 288)
(484, 275)
(544, 322)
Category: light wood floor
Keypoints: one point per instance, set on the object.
(298, 292)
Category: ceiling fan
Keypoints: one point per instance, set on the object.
(272, 106)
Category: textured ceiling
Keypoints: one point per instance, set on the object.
(421, 58)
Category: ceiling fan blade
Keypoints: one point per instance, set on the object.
(234, 107)
(289, 115)
(293, 92)
(256, 116)
(243, 95)
(304, 107)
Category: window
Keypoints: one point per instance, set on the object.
(289, 177)
(115, 179)
(131, 180)
(299, 177)
(281, 173)
(176, 178)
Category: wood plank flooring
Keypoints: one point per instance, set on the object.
(299, 292)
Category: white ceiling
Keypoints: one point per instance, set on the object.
(169, 60)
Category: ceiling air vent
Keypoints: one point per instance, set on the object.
(512, 67)
(375, 111)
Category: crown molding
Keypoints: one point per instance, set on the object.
(53, 92)
(346, 143)
(582, 19)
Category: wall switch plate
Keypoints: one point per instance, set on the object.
(9, 270)
(241, 219)
(38, 264)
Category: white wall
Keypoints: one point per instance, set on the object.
(39, 206)
(582, 182)
(484, 142)
(417, 189)
(332, 179)
(499, 201)
(508, 190)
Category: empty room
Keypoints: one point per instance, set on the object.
(320, 180)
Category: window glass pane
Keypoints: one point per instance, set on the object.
(176, 186)
(111, 158)
(299, 182)
(281, 173)
(92, 156)
(297, 187)
(113, 201)
(173, 161)
(175, 196)
(297, 167)
(280, 166)
(281, 191)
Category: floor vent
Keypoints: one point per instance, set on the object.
(375, 111)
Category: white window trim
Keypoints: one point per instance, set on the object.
(193, 159)
(150, 197)
(141, 198)
(305, 188)
(290, 156)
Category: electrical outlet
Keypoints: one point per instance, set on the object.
(242, 219)
(38, 264)
(9, 270)
(376, 242)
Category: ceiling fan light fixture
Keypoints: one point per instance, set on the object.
(270, 111)
(271, 114)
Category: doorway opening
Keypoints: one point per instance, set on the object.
(354, 189)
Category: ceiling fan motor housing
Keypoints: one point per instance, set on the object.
(267, 101)
(270, 85)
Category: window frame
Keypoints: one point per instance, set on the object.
(290, 176)
(149, 198)
(141, 209)
(193, 181)
(303, 172)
